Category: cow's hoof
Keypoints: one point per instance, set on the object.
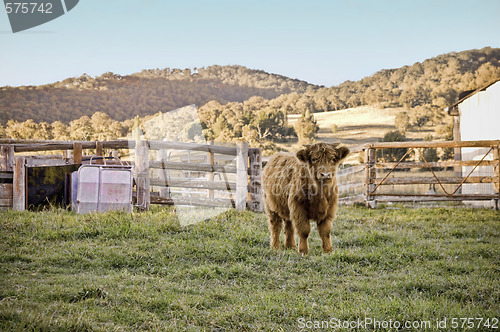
(303, 252)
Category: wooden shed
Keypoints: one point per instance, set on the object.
(477, 117)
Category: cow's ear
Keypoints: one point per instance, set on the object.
(343, 152)
(303, 155)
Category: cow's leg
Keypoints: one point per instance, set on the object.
(302, 227)
(275, 224)
(289, 235)
(324, 229)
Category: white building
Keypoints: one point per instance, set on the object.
(477, 117)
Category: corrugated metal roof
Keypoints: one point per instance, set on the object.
(473, 93)
(451, 110)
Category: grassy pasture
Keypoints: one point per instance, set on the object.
(115, 271)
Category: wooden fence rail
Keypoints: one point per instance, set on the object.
(370, 182)
(361, 183)
(244, 191)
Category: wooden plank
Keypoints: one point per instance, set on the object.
(52, 146)
(425, 144)
(27, 145)
(19, 185)
(242, 176)
(199, 201)
(449, 163)
(430, 198)
(227, 150)
(45, 157)
(212, 185)
(6, 190)
(5, 202)
(141, 171)
(7, 153)
(6, 175)
(192, 167)
(430, 180)
(45, 162)
(255, 184)
(49, 160)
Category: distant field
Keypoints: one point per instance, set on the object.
(356, 126)
(128, 272)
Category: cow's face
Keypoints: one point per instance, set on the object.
(322, 159)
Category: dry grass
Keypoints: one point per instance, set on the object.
(356, 126)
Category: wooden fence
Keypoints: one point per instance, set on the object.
(376, 181)
(240, 171)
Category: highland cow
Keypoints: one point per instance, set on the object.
(301, 188)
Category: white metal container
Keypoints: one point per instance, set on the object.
(103, 188)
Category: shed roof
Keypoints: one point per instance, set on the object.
(452, 110)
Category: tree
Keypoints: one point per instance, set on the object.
(220, 125)
(43, 131)
(12, 129)
(249, 134)
(270, 124)
(429, 154)
(393, 154)
(60, 131)
(22, 130)
(81, 129)
(402, 122)
(446, 132)
(306, 128)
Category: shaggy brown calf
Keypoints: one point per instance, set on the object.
(300, 188)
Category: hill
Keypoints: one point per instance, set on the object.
(144, 93)
(235, 102)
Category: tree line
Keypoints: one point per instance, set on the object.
(237, 102)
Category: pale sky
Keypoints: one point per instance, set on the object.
(322, 42)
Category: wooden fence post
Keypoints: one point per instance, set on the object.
(99, 152)
(142, 174)
(19, 184)
(370, 175)
(496, 156)
(7, 152)
(255, 185)
(211, 176)
(77, 153)
(162, 156)
(241, 176)
(67, 156)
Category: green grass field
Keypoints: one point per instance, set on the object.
(115, 271)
